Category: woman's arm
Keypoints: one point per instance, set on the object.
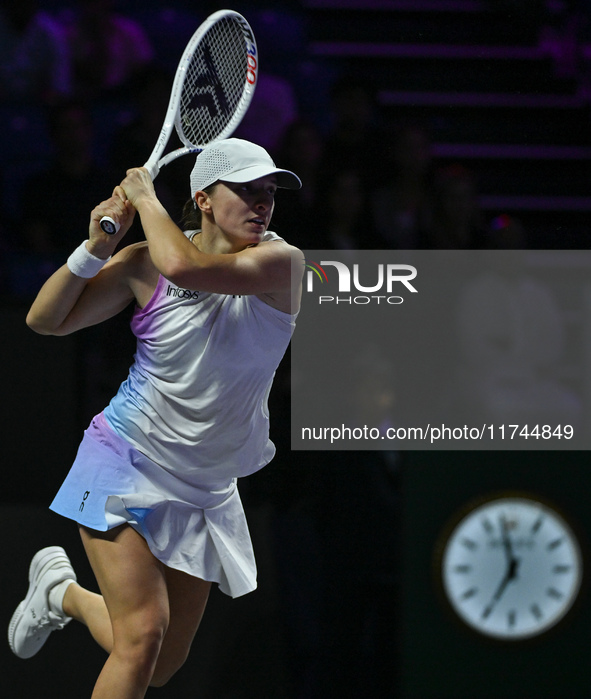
(67, 302)
(266, 268)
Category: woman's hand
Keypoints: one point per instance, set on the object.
(138, 186)
(120, 209)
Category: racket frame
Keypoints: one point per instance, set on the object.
(172, 118)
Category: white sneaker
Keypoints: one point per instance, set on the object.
(34, 618)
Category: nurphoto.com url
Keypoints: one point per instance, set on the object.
(435, 433)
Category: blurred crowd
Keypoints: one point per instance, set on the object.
(83, 91)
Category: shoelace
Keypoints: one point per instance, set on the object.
(55, 621)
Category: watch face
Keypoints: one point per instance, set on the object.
(511, 568)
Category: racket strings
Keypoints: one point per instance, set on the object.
(215, 84)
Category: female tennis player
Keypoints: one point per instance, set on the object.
(153, 487)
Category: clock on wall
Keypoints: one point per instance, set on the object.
(510, 567)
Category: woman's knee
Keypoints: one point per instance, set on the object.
(139, 640)
(164, 671)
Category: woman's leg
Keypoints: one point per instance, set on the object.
(90, 609)
(134, 588)
(187, 597)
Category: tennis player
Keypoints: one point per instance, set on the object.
(153, 487)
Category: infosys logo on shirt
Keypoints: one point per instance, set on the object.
(178, 293)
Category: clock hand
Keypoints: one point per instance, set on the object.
(506, 540)
(511, 560)
(511, 573)
(509, 576)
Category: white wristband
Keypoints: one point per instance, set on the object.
(83, 263)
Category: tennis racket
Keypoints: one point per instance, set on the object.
(212, 89)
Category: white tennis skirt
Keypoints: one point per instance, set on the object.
(199, 530)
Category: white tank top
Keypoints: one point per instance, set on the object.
(195, 400)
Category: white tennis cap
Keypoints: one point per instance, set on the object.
(236, 160)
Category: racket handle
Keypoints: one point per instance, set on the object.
(109, 225)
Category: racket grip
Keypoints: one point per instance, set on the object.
(109, 225)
